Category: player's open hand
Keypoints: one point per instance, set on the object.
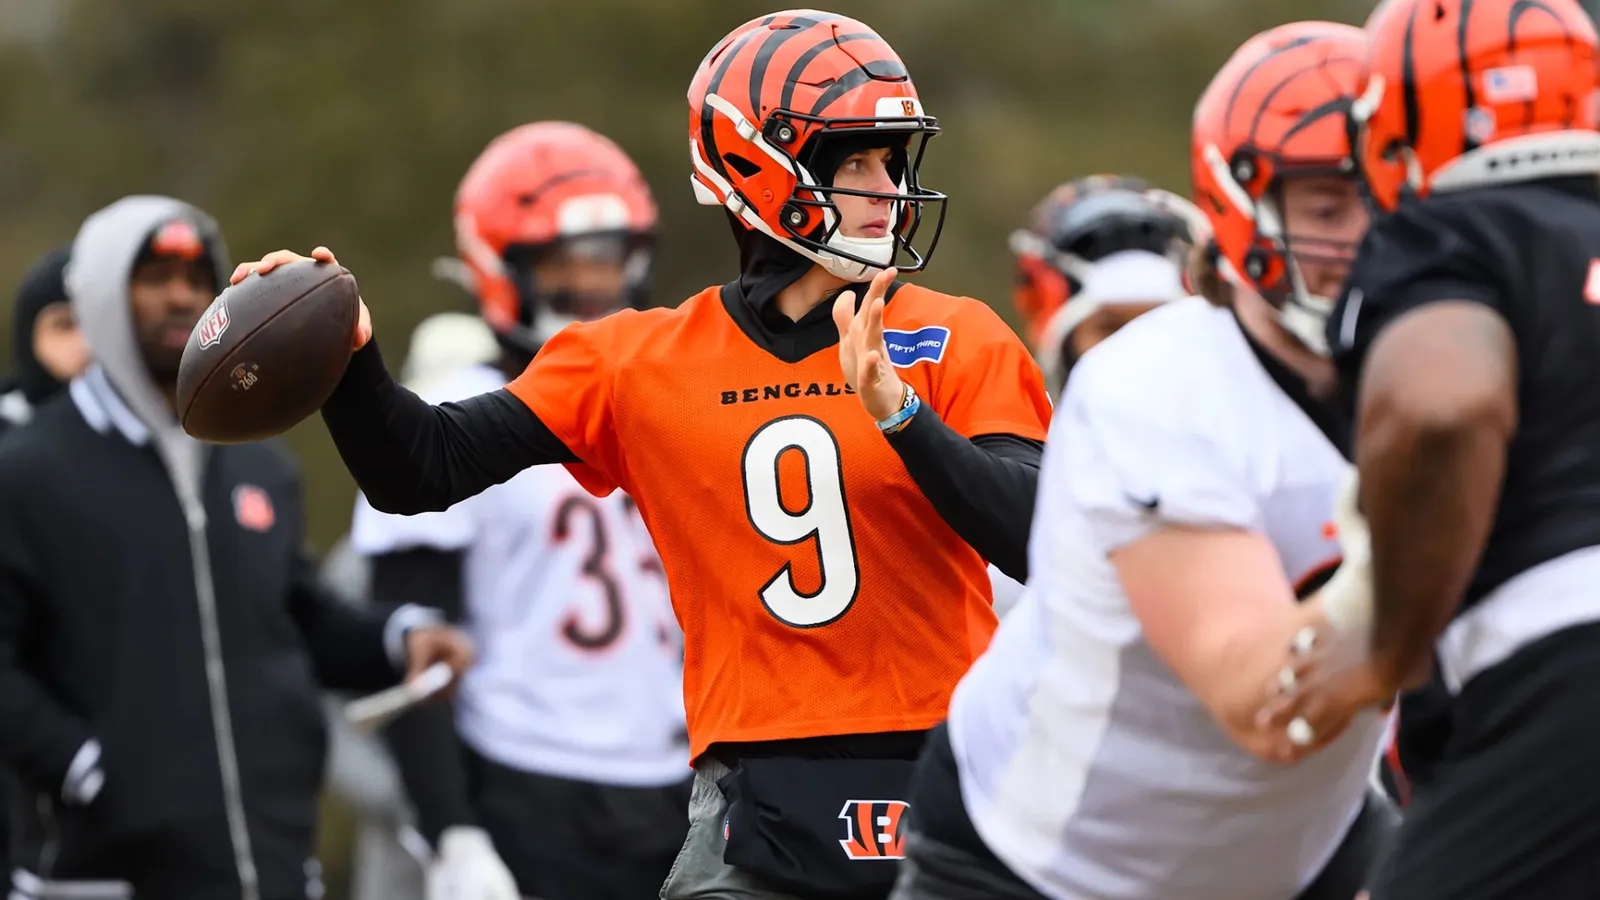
(1326, 681)
(278, 258)
(862, 352)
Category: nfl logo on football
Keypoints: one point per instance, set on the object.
(213, 324)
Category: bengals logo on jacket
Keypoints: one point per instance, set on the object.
(872, 829)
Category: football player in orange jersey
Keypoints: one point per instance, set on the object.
(824, 494)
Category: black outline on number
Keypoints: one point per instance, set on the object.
(815, 535)
(596, 567)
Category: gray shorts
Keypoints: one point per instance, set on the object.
(699, 872)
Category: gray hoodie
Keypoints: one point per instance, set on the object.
(97, 282)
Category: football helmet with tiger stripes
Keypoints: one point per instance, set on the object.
(764, 107)
(1465, 94)
(1276, 109)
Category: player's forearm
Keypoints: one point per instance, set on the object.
(1430, 498)
(427, 754)
(1437, 411)
(411, 457)
(983, 488)
(345, 643)
(424, 743)
(1244, 659)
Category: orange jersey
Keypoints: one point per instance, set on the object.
(818, 591)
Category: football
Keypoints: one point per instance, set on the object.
(267, 353)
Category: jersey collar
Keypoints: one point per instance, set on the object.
(790, 341)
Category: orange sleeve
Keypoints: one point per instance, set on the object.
(994, 386)
(569, 386)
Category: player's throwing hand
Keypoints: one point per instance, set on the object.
(321, 254)
(862, 353)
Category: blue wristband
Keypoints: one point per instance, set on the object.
(898, 420)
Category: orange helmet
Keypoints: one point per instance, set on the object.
(1278, 107)
(769, 108)
(1082, 222)
(1462, 94)
(542, 187)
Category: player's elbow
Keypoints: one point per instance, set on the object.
(1233, 692)
(405, 501)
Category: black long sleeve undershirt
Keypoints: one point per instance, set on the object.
(411, 457)
(983, 488)
(424, 743)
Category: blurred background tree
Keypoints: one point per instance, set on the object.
(298, 122)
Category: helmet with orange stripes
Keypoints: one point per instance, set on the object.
(770, 108)
(1466, 93)
(543, 190)
(1277, 109)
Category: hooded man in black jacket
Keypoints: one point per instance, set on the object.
(162, 635)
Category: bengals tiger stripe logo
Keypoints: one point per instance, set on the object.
(872, 829)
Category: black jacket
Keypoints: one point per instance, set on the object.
(104, 613)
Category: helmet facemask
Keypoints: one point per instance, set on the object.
(816, 190)
(1272, 266)
(587, 276)
(807, 219)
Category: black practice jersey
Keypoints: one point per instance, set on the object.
(1531, 252)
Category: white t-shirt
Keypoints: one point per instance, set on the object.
(580, 658)
(1086, 764)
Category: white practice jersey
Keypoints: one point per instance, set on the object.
(1086, 764)
(580, 660)
(1007, 591)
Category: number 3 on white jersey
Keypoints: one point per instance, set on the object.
(824, 519)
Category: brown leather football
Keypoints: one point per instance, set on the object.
(267, 353)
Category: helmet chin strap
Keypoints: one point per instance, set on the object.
(1304, 314)
(878, 249)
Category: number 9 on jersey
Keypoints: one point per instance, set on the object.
(824, 520)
